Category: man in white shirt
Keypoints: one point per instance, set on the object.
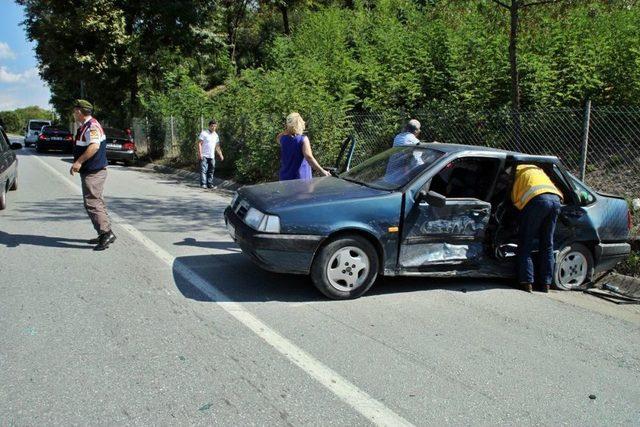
(208, 145)
(409, 136)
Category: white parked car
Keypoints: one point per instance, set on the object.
(33, 130)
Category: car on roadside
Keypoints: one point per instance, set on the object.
(120, 146)
(32, 131)
(54, 137)
(8, 167)
(430, 210)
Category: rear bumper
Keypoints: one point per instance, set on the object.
(281, 253)
(55, 145)
(128, 155)
(607, 255)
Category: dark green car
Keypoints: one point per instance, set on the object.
(430, 210)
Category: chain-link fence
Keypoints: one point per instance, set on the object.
(599, 144)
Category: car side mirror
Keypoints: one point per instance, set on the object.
(434, 199)
(15, 146)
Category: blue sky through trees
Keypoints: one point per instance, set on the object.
(20, 84)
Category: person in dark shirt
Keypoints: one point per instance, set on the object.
(296, 157)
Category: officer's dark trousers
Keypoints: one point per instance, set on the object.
(538, 221)
(92, 187)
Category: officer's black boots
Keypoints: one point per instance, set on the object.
(104, 240)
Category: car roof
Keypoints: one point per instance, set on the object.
(478, 149)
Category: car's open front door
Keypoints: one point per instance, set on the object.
(436, 238)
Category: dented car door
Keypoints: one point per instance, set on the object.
(452, 234)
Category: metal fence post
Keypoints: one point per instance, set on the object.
(172, 136)
(585, 139)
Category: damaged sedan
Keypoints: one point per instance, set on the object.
(430, 210)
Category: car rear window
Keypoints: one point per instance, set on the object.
(37, 125)
(115, 133)
(55, 129)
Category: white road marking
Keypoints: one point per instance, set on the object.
(374, 410)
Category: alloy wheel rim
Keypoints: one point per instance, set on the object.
(348, 268)
(572, 271)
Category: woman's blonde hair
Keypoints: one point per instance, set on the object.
(295, 124)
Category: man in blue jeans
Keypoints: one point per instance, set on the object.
(208, 146)
(538, 199)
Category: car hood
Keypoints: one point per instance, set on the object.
(276, 196)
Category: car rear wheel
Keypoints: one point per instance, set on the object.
(3, 198)
(345, 268)
(574, 267)
(14, 186)
(39, 149)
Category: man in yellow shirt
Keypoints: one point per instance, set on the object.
(538, 199)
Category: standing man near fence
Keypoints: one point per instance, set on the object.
(90, 161)
(208, 145)
(409, 136)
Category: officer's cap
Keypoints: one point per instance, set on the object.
(83, 103)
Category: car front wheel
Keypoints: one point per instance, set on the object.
(345, 267)
(574, 267)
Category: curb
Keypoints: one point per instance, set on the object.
(221, 184)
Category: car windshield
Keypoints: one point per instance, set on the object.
(37, 125)
(115, 133)
(394, 168)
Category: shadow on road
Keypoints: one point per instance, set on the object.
(15, 240)
(237, 277)
(190, 241)
(179, 213)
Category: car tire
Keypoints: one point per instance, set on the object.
(14, 186)
(39, 149)
(574, 267)
(355, 277)
(3, 198)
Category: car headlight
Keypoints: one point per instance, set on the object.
(261, 221)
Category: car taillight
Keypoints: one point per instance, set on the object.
(41, 137)
(68, 138)
(128, 146)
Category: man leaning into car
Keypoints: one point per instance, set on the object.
(90, 160)
(538, 199)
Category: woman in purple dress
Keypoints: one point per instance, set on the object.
(296, 157)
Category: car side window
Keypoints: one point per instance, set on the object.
(466, 178)
(4, 146)
(584, 196)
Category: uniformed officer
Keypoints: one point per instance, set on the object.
(538, 199)
(90, 160)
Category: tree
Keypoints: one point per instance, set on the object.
(514, 7)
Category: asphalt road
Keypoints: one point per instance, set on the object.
(173, 325)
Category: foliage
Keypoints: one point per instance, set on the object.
(236, 61)
(16, 120)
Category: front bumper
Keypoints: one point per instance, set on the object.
(128, 155)
(281, 253)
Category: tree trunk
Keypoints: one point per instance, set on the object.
(285, 19)
(515, 77)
